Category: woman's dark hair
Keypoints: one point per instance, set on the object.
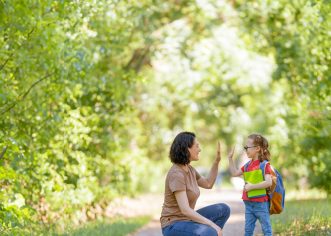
(179, 152)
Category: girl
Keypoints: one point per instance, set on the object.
(256, 207)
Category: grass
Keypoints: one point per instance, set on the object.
(104, 227)
(304, 217)
(117, 227)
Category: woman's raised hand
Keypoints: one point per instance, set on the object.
(218, 152)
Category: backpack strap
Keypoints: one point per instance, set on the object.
(246, 166)
(263, 165)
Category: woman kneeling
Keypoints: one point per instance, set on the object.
(182, 184)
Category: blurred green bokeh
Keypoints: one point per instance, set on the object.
(92, 94)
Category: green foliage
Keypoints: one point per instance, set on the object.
(297, 34)
(93, 92)
(66, 78)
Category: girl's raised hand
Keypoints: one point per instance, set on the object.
(230, 155)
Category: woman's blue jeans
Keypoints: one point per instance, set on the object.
(254, 211)
(218, 213)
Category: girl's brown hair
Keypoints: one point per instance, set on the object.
(262, 142)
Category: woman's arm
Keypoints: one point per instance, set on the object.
(208, 182)
(233, 170)
(265, 184)
(185, 208)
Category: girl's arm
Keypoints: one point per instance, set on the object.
(208, 182)
(265, 184)
(185, 208)
(233, 170)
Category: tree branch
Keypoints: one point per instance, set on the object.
(11, 55)
(3, 152)
(6, 61)
(22, 96)
(139, 58)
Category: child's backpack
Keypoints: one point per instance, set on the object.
(276, 191)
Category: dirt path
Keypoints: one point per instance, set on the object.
(234, 226)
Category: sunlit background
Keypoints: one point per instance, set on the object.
(92, 93)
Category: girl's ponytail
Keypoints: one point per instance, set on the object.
(262, 142)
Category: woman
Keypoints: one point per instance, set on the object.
(182, 184)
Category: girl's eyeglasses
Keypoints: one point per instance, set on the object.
(246, 147)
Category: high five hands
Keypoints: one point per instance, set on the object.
(218, 152)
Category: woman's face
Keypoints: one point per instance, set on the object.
(251, 149)
(194, 151)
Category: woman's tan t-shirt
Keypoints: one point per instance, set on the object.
(179, 180)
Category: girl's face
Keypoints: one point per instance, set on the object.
(194, 151)
(251, 149)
